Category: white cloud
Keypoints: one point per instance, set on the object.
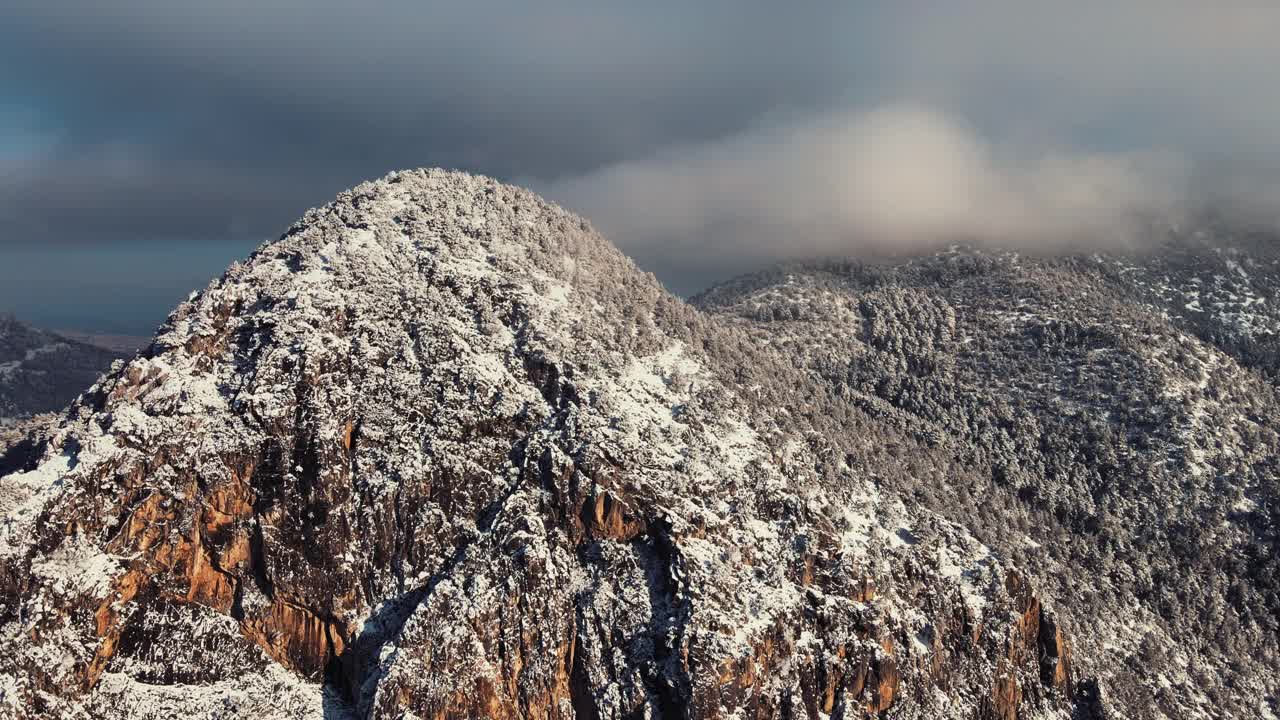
(884, 180)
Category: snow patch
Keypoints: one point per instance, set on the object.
(77, 568)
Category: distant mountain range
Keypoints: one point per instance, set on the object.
(442, 451)
(41, 371)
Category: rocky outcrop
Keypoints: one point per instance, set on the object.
(441, 451)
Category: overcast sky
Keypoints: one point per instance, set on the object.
(705, 137)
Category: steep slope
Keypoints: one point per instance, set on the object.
(442, 451)
(41, 372)
(1112, 435)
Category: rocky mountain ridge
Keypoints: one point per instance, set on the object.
(442, 451)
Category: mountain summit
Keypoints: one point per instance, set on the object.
(442, 451)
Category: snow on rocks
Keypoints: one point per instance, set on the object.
(441, 450)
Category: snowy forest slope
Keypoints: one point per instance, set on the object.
(1114, 426)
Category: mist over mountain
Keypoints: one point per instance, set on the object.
(441, 450)
(894, 180)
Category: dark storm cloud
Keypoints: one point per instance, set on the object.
(185, 119)
(693, 133)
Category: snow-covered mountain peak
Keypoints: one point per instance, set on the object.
(442, 450)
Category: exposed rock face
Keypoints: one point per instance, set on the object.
(1114, 426)
(443, 452)
(41, 372)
